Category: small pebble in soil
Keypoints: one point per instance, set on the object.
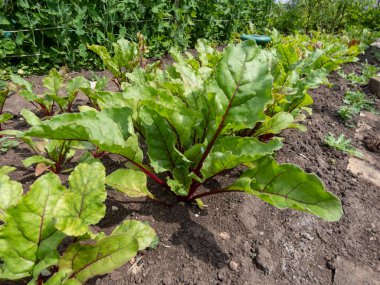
(234, 265)
(224, 236)
(264, 260)
(222, 274)
(307, 236)
(114, 208)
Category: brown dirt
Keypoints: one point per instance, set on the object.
(239, 239)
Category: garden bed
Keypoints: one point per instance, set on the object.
(241, 240)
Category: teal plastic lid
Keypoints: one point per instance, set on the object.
(259, 39)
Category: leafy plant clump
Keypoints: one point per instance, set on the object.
(195, 127)
(355, 101)
(52, 101)
(367, 72)
(342, 144)
(35, 224)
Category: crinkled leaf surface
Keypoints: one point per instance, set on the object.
(229, 152)
(161, 140)
(110, 129)
(129, 181)
(287, 186)
(244, 85)
(83, 204)
(28, 234)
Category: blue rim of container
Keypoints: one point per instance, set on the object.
(259, 39)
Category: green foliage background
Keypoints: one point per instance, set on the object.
(37, 35)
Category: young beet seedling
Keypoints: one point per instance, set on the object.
(192, 137)
(48, 102)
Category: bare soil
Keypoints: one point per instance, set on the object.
(238, 239)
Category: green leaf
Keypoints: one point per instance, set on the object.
(28, 234)
(287, 186)
(111, 130)
(181, 181)
(244, 85)
(86, 261)
(4, 170)
(10, 191)
(30, 117)
(74, 85)
(229, 152)
(83, 261)
(275, 124)
(128, 181)
(17, 79)
(83, 204)
(144, 234)
(37, 159)
(48, 261)
(161, 142)
(53, 82)
(287, 55)
(177, 116)
(5, 117)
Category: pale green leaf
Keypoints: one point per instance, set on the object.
(28, 234)
(142, 232)
(10, 191)
(53, 82)
(82, 261)
(83, 204)
(34, 159)
(30, 117)
(132, 183)
(275, 124)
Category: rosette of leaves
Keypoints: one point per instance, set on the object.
(299, 64)
(55, 97)
(35, 224)
(128, 57)
(192, 137)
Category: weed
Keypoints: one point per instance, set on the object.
(342, 144)
(367, 72)
(355, 101)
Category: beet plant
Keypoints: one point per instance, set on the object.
(34, 225)
(192, 136)
(55, 99)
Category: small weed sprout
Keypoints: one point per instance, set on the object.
(342, 144)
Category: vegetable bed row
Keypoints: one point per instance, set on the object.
(177, 126)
